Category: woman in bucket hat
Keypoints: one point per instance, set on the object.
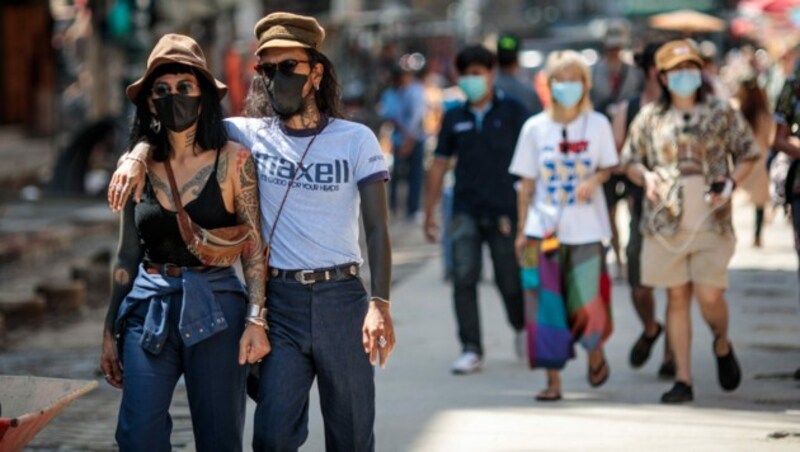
(171, 314)
(324, 324)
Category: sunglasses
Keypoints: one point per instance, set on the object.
(286, 67)
(184, 88)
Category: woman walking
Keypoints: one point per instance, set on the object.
(679, 148)
(316, 173)
(176, 310)
(563, 157)
(752, 103)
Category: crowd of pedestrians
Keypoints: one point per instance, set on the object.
(660, 134)
(537, 178)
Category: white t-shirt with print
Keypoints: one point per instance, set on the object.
(559, 169)
(319, 225)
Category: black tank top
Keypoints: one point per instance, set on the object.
(158, 227)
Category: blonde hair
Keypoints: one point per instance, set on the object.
(564, 60)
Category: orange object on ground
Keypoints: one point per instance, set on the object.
(30, 403)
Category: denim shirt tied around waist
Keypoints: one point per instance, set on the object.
(201, 316)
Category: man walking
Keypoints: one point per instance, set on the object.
(508, 78)
(482, 134)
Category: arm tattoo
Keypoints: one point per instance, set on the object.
(247, 212)
(222, 169)
(125, 263)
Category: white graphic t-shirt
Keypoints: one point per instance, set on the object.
(320, 223)
(559, 158)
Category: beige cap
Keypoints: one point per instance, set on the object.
(676, 52)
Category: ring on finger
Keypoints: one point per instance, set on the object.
(382, 342)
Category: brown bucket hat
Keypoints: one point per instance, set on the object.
(288, 30)
(175, 48)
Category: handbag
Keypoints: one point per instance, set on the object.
(219, 247)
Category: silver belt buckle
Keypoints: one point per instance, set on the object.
(300, 276)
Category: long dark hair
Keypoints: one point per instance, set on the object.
(328, 98)
(752, 102)
(703, 93)
(210, 134)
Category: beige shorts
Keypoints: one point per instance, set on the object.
(680, 259)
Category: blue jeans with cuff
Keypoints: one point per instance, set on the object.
(315, 332)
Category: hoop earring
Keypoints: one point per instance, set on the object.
(155, 125)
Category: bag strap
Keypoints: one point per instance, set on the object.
(286, 195)
(184, 222)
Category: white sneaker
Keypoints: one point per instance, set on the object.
(467, 363)
(521, 345)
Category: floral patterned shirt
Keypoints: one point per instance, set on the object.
(673, 144)
(787, 112)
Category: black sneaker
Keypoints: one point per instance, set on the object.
(728, 371)
(680, 393)
(667, 370)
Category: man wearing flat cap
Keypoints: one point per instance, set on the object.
(316, 173)
(321, 325)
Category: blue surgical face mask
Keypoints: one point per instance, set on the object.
(567, 94)
(685, 82)
(474, 87)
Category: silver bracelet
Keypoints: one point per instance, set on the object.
(256, 315)
(380, 299)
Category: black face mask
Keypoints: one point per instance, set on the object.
(177, 112)
(286, 93)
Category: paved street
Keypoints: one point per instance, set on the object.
(422, 407)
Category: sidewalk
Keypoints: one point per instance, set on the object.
(422, 407)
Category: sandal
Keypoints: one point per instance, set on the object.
(549, 395)
(599, 375)
(640, 352)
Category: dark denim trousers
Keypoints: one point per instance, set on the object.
(315, 332)
(215, 383)
(468, 235)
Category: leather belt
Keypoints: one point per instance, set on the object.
(171, 270)
(339, 272)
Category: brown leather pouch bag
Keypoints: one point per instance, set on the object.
(219, 247)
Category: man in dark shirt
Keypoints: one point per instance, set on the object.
(482, 134)
(508, 78)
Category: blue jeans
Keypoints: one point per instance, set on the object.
(315, 332)
(796, 227)
(413, 167)
(468, 234)
(215, 383)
